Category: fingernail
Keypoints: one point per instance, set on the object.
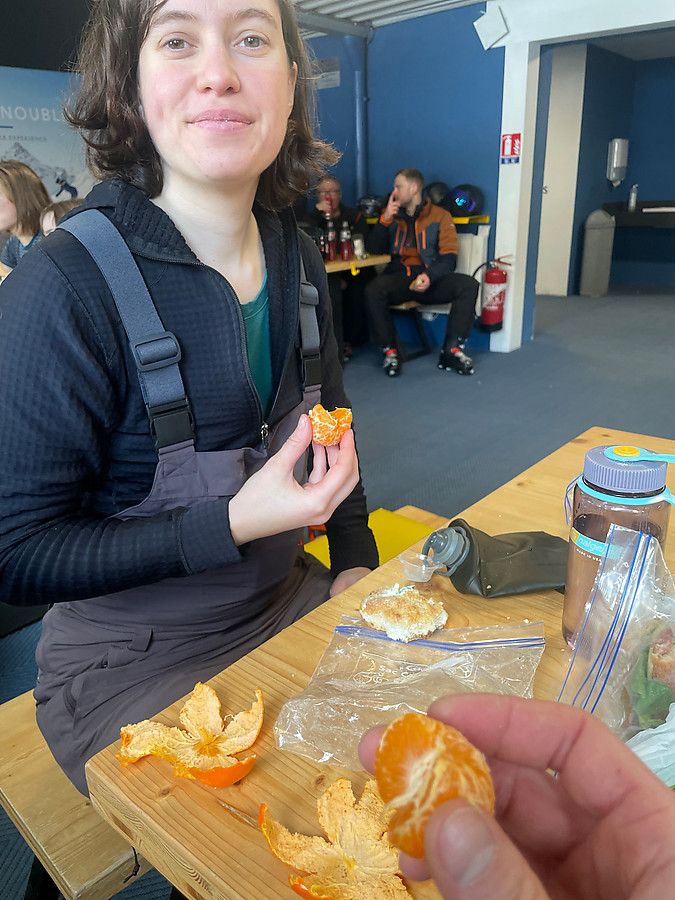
(467, 846)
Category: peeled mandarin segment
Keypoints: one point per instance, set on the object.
(329, 427)
(420, 764)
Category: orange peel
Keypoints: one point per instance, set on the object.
(329, 427)
(203, 748)
(355, 862)
(420, 764)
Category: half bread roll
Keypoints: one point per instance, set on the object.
(403, 613)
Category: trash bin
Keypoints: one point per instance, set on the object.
(597, 258)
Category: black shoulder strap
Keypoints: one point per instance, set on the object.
(156, 351)
(310, 339)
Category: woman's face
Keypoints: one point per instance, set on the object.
(8, 221)
(216, 89)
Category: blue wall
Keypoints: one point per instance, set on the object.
(647, 255)
(436, 102)
(435, 99)
(336, 107)
(607, 113)
(652, 135)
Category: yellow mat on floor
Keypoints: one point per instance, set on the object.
(393, 533)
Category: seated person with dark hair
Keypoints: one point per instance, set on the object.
(422, 241)
(346, 290)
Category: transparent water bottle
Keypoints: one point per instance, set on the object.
(632, 198)
(627, 488)
(346, 247)
(331, 241)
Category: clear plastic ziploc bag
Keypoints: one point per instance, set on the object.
(623, 666)
(365, 678)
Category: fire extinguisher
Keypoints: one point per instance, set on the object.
(494, 294)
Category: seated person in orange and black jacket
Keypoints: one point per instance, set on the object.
(346, 291)
(422, 241)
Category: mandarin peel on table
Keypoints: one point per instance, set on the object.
(420, 764)
(329, 427)
(355, 862)
(203, 748)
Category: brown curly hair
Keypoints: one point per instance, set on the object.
(107, 110)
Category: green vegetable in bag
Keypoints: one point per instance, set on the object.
(650, 699)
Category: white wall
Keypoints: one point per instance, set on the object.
(532, 23)
(563, 137)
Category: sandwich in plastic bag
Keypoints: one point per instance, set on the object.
(365, 678)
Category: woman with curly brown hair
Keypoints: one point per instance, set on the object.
(164, 529)
(22, 198)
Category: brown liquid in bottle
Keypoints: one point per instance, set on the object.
(593, 518)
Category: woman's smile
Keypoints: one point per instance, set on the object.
(222, 120)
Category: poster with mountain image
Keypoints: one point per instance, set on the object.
(34, 131)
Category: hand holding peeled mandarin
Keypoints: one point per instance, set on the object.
(604, 827)
(329, 427)
(272, 501)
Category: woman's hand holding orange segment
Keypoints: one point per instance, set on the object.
(329, 427)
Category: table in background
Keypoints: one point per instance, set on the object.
(346, 265)
(210, 850)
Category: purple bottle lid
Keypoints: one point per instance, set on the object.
(641, 477)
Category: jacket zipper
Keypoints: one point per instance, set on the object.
(264, 427)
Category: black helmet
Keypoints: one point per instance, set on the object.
(465, 200)
(437, 192)
(371, 206)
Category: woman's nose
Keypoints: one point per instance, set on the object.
(217, 71)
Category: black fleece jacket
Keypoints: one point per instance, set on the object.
(75, 446)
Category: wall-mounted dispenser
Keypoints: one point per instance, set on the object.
(617, 160)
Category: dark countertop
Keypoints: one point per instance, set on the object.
(623, 218)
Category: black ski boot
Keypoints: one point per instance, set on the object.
(455, 360)
(391, 362)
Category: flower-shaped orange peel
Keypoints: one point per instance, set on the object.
(357, 862)
(328, 427)
(204, 750)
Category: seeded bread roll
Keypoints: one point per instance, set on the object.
(403, 613)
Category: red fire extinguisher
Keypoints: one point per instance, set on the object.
(494, 295)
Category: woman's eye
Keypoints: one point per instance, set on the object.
(253, 42)
(175, 44)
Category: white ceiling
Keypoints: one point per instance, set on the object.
(357, 16)
(341, 14)
(641, 44)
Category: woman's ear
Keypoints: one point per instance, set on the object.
(292, 81)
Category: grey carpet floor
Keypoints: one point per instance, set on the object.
(441, 441)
